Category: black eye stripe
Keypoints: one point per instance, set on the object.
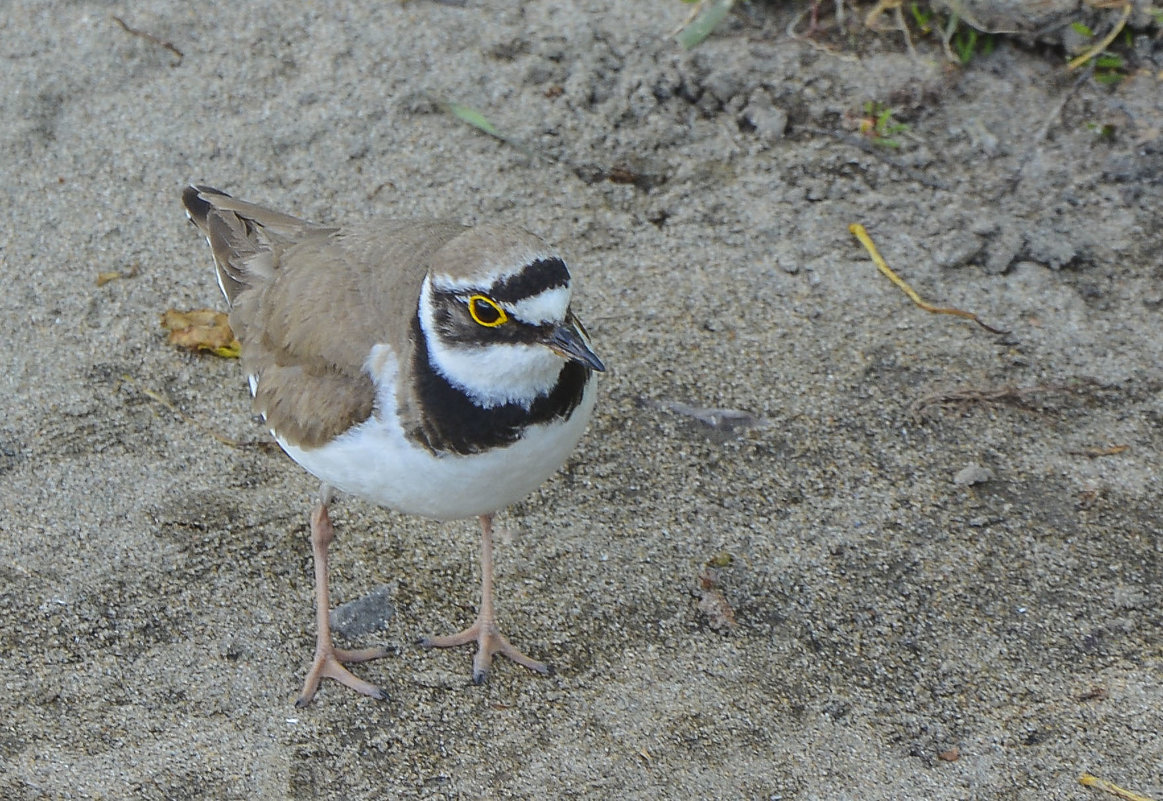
(533, 279)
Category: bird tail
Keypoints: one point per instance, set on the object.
(244, 237)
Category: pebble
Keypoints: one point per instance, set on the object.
(972, 474)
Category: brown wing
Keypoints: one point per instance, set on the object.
(308, 333)
(309, 302)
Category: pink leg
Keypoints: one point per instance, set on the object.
(484, 631)
(329, 660)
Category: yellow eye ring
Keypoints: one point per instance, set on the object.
(485, 311)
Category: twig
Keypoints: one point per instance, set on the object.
(1006, 393)
(696, 7)
(1094, 453)
(1052, 117)
(161, 399)
(1077, 62)
(946, 37)
(872, 20)
(812, 43)
(149, 37)
(873, 150)
(860, 233)
(1088, 780)
(904, 29)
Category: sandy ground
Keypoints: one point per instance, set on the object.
(900, 631)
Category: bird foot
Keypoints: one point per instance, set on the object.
(489, 641)
(329, 664)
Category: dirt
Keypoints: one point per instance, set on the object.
(818, 543)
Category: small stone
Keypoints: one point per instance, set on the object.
(972, 474)
(724, 85)
(1051, 247)
(950, 754)
(957, 250)
(364, 615)
(1001, 252)
(768, 120)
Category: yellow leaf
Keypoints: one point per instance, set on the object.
(201, 330)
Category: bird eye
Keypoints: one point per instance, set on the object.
(486, 312)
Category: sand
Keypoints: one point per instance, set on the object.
(941, 548)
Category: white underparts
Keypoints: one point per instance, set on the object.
(377, 462)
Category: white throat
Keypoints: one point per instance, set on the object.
(491, 375)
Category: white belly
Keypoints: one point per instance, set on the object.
(376, 462)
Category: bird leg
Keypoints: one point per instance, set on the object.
(329, 660)
(484, 631)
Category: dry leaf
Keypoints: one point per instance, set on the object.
(113, 275)
(720, 615)
(202, 329)
(712, 603)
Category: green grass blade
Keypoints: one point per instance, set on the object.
(702, 25)
(476, 120)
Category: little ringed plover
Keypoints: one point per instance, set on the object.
(429, 367)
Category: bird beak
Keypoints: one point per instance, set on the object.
(570, 341)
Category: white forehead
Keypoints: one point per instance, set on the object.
(490, 271)
(549, 306)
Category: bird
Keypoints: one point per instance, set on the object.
(430, 367)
